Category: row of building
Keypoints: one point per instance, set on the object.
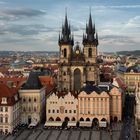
(31, 104)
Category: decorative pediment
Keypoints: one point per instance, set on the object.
(83, 93)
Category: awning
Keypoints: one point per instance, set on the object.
(85, 124)
(52, 123)
(71, 123)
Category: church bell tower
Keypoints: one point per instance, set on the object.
(90, 43)
(65, 42)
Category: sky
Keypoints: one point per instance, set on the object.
(34, 25)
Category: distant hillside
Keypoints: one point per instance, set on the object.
(135, 53)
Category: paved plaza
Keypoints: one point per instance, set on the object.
(79, 134)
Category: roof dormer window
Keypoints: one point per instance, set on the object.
(4, 100)
(16, 98)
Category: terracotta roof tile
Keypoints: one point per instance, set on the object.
(9, 93)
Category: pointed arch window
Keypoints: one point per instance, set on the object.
(90, 52)
(65, 52)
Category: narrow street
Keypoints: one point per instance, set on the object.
(128, 132)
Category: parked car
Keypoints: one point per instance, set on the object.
(23, 125)
(32, 125)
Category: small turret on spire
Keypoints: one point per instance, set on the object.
(97, 38)
(59, 36)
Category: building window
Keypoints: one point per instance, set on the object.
(69, 111)
(65, 111)
(74, 111)
(29, 99)
(64, 73)
(49, 111)
(85, 105)
(53, 111)
(88, 102)
(24, 100)
(34, 99)
(57, 111)
(6, 109)
(16, 98)
(4, 101)
(90, 52)
(1, 109)
(65, 52)
(6, 119)
(1, 119)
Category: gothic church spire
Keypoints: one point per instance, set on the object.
(90, 37)
(66, 37)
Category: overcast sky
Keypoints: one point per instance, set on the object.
(34, 25)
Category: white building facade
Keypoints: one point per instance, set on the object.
(32, 105)
(9, 109)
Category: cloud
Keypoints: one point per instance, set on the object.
(2, 2)
(117, 40)
(115, 6)
(133, 22)
(9, 14)
(113, 43)
(26, 30)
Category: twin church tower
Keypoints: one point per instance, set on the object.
(77, 65)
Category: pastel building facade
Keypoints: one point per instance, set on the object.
(33, 101)
(61, 107)
(93, 104)
(10, 109)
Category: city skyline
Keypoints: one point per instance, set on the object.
(30, 25)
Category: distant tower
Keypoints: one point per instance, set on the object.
(90, 43)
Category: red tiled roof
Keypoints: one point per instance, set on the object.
(48, 82)
(121, 83)
(17, 81)
(9, 93)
